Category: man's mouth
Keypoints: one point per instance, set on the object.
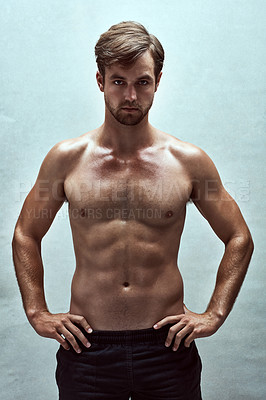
(130, 109)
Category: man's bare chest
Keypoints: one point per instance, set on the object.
(139, 190)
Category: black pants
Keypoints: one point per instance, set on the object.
(133, 363)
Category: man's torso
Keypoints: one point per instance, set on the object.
(127, 217)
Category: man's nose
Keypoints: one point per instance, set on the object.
(130, 93)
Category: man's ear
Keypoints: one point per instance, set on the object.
(99, 79)
(158, 81)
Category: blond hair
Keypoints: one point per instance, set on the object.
(124, 43)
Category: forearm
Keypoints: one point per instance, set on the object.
(230, 276)
(29, 271)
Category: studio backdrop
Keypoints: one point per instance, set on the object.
(212, 93)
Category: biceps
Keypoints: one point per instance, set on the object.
(39, 211)
(222, 213)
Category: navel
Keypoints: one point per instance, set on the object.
(126, 284)
(169, 213)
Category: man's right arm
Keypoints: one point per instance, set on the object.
(36, 217)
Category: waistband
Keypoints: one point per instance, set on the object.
(149, 335)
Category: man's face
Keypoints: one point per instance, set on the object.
(129, 91)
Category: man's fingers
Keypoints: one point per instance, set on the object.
(79, 319)
(175, 329)
(190, 339)
(62, 341)
(179, 336)
(77, 332)
(168, 320)
(70, 338)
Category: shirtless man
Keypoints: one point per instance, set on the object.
(127, 184)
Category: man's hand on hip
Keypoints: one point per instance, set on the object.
(189, 325)
(61, 328)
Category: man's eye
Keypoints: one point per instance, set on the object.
(143, 83)
(118, 82)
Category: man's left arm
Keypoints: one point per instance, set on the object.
(225, 218)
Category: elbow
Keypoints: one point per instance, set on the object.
(246, 243)
(17, 235)
(14, 239)
(250, 244)
(22, 239)
(242, 241)
(249, 247)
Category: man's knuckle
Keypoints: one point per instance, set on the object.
(57, 325)
(69, 337)
(53, 329)
(52, 334)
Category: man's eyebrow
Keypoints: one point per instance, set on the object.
(142, 77)
(115, 76)
(146, 76)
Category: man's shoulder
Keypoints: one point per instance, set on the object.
(182, 149)
(70, 149)
(193, 159)
(64, 154)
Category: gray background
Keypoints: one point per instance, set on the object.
(212, 94)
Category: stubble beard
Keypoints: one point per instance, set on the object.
(128, 118)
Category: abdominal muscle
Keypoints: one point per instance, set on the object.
(122, 287)
(108, 302)
(111, 305)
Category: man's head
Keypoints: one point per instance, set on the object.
(129, 61)
(123, 43)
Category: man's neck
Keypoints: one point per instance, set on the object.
(125, 140)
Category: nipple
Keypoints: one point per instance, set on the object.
(169, 214)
